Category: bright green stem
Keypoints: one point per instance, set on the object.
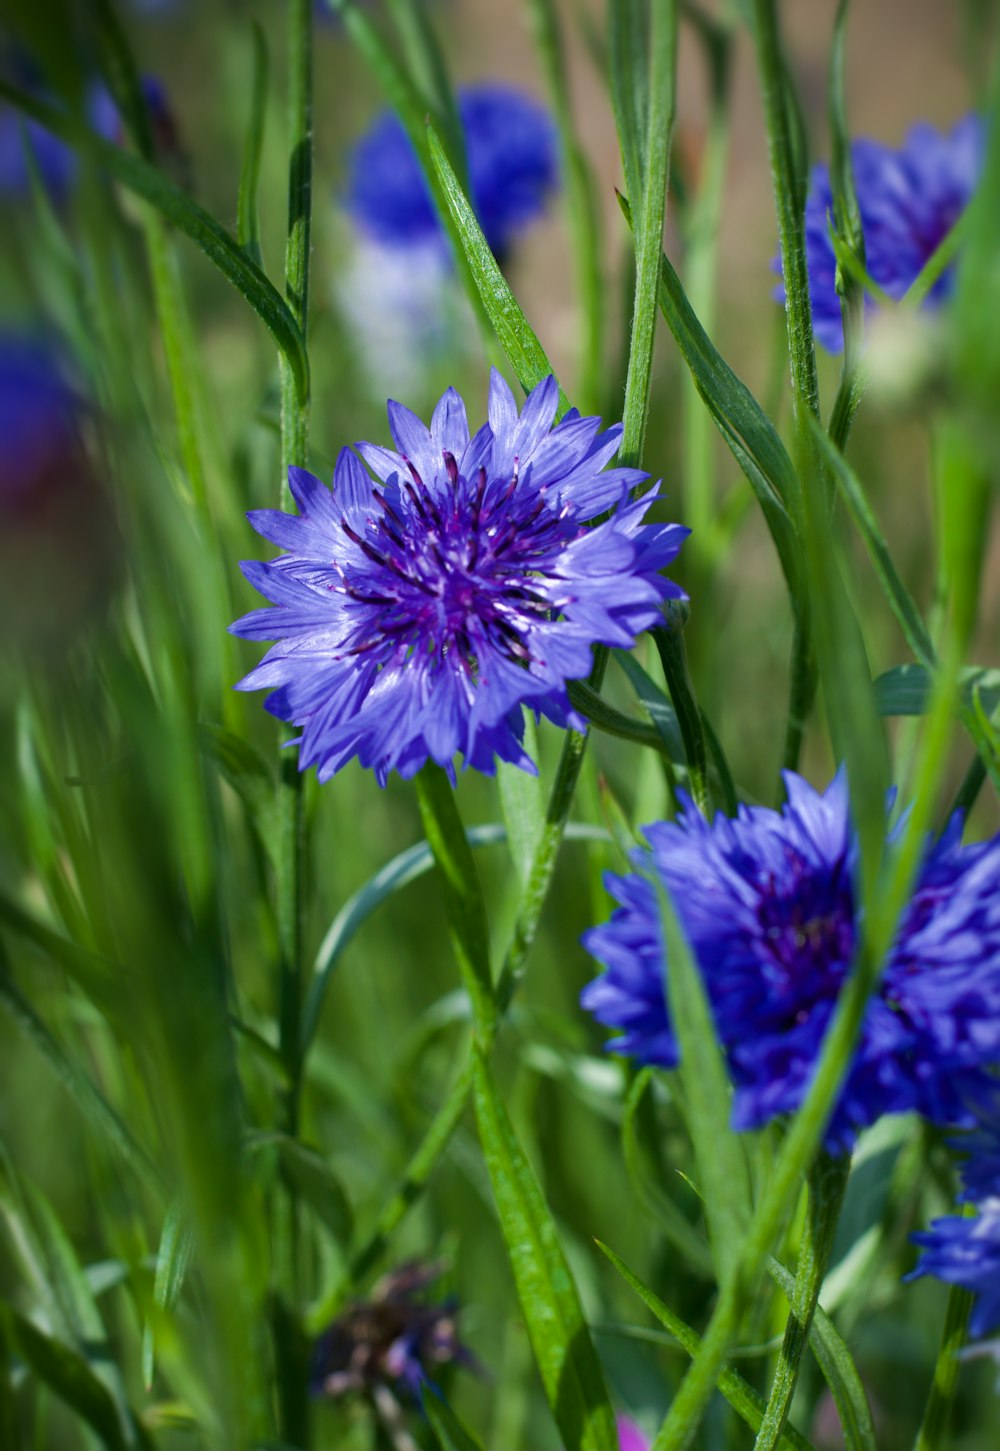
(934, 1429)
(801, 350)
(179, 353)
(463, 897)
(827, 1184)
(669, 642)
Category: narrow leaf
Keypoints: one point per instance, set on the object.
(515, 334)
(172, 1260)
(898, 596)
(522, 802)
(185, 213)
(564, 1352)
(719, 1154)
(451, 1433)
(745, 1401)
(314, 1181)
(247, 218)
(839, 1370)
(907, 689)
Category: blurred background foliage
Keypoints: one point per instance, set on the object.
(143, 1087)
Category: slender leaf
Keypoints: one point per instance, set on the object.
(514, 333)
(172, 1260)
(661, 710)
(907, 689)
(174, 204)
(613, 722)
(451, 1433)
(564, 1353)
(314, 1181)
(66, 1372)
(639, 1147)
(247, 216)
(745, 1401)
(522, 802)
(898, 596)
(719, 1153)
(628, 36)
(839, 1370)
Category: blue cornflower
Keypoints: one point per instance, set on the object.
(511, 151)
(396, 1341)
(964, 1251)
(768, 902)
(38, 422)
(909, 200)
(414, 620)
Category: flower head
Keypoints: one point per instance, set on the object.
(415, 618)
(396, 1340)
(769, 906)
(964, 1251)
(909, 200)
(511, 152)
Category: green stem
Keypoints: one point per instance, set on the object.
(294, 453)
(827, 1184)
(669, 642)
(803, 680)
(934, 1429)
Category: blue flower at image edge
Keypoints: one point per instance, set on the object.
(768, 905)
(909, 199)
(511, 152)
(415, 619)
(963, 1251)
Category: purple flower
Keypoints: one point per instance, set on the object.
(768, 903)
(415, 619)
(630, 1438)
(511, 151)
(909, 200)
(393, 1341)
(963, 1251)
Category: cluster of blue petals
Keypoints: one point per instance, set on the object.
(416, 617)
(768, 903)
(510, 144)
(909, 200)
(38, 419)
(963, 1251)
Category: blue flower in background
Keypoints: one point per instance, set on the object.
(394, 1341)
(414, 620)
(768, 904)
(38, 420)
(909, 200)
(965, 1251)
(511, 151)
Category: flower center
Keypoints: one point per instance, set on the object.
(808, 928)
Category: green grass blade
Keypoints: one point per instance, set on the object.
(451, 1433)
(640, 1151)
(564, 1353)
(719, 1154)
(660, 708)
(174, 204)
(463, 895)
(628, 46)
(514, 333)
(839, 1371)
(172, 1260)
(247, 213)
(522, 803)
(899, 599)
(745, 1401)
(650, 208)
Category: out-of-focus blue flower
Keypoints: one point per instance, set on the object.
(909, 200)
(769, 907)
(415, 619)
(965, 1251)
(56, 162)
(511, 151)
(58, 543)
(396, 1340)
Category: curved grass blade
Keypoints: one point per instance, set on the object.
(247, 215)
(745, 1401)
(908, 689)
(67, 1374)
(719, 1155)
(451, 1433)
(515, 334)
(84, 1093)
(172, 1260)
(839, 1370)
(638, 1148)
(898, 596)
(564, 1352)
(185, 213)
